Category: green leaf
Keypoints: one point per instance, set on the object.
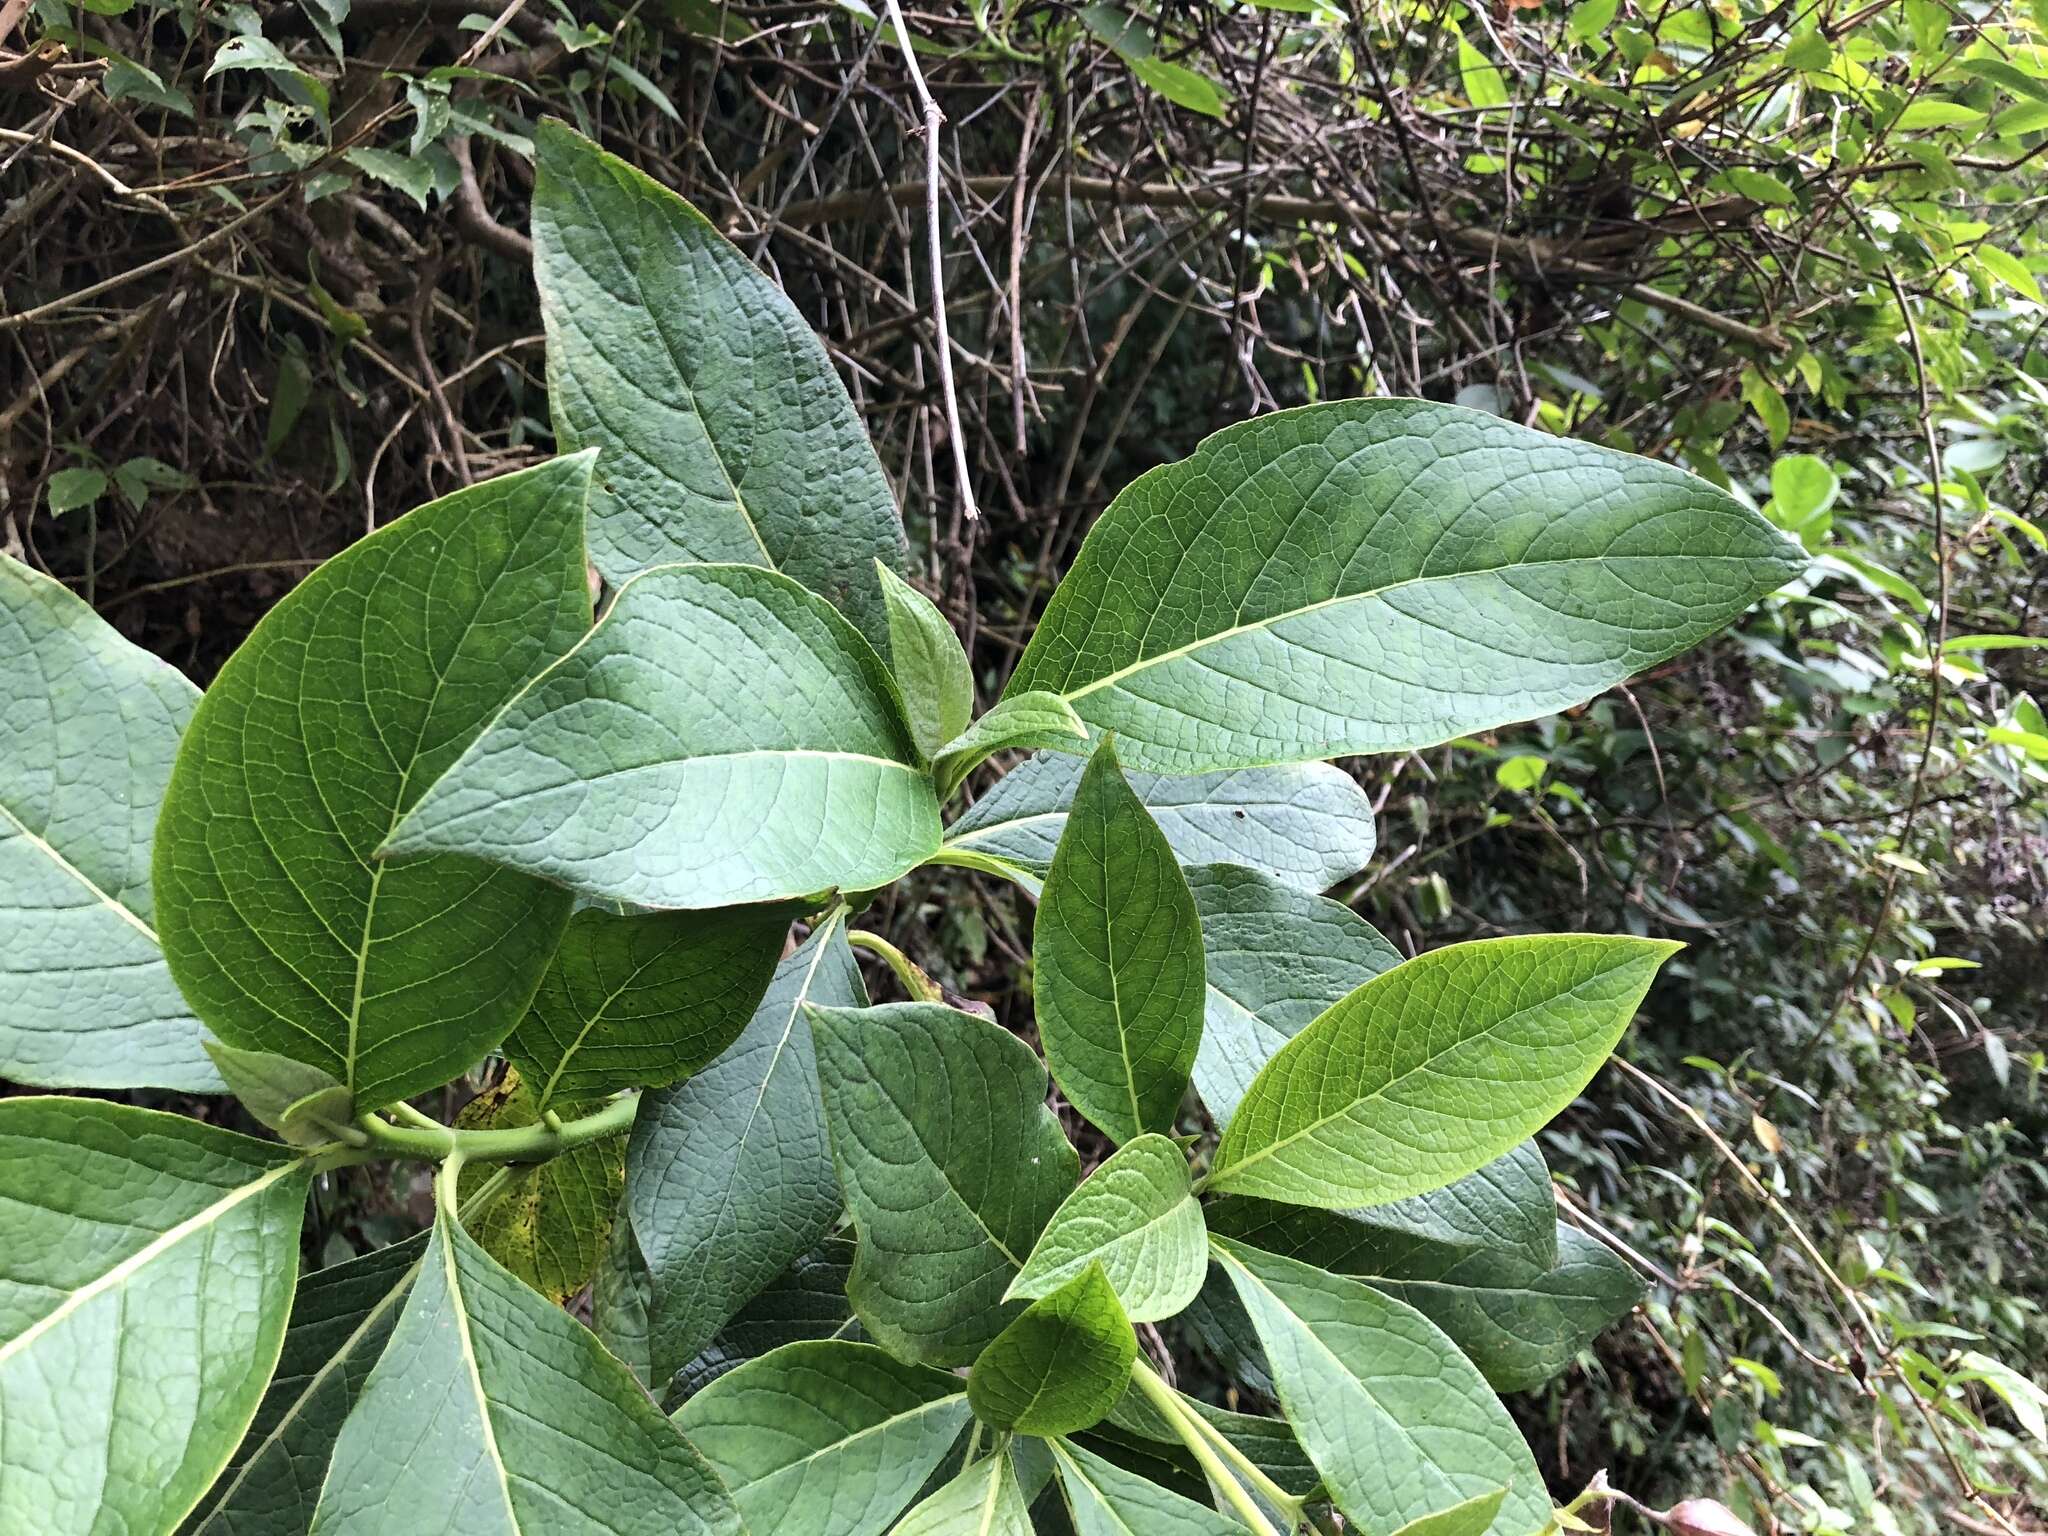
(1036, 721)
(1118, 956)
(951, 1164)
(622, 1304)
(320, 732)
(1433, 1070)
(1757, 186)
(1506, 1205)
(93, 722)
(984, 1500)
(806, 1301)
(825, 1438)
(1182, 86)
(1483, 82)
(1929, 113)
(1275, 958)
(1267, 1443)
(1519, 1321)
(1471, 1517)
(1061, 1365)
(302, 1103)
(148, 1274)
(2022, 1396)
(1136, 1216)
(1768, 401)
(2011, 271)
(70, 489)
(626, 773)
(127, 79)
(930, 666)
(341, 1319)
(729, 1176)
(644, 1000)
(415, 178)
(1381, 575)
(500, 1413)
(1397, 1421)
(1106, 1500)
(551, 1227)
(1803, 490)
(1308, 825)
(727, 435)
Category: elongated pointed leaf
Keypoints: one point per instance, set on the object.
(1275, 957)
(930, 667)
(1061, 1365)
(1470, 1517)
(729, 1176)
(149, 1260)
(1519, 1321)
(1118, 953)
(91, 724)
(303, 1103)
(1381, 575)
(348, 699)
(1025, 721)
(644, 1000)
(722, 736)
(1307, 824)
(1136, 1216)
(1506, 1206)
(491, 1411)
(806, 1301)
(727, 435)
(1398, 1422)
(1106, 1500)
(827, 1438)
(1434, 1069)
(951, 1164)
(984, 1500)
(341, 1319)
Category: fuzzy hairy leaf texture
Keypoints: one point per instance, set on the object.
(492, 1411)
(729, 1176)
(1061, 1365)
(1399, 1423)
(1137, 1217)
(825, 1438)
(144, 1288)
(282, 926)
(91, 725)
(1117, 951)
(1434, 1069)
(1306, 824)
(1383, 575)
(727, 435)
(951, 1166)
(722, 736)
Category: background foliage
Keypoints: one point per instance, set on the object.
(264, 284)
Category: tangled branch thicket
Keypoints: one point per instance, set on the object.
(263, 272)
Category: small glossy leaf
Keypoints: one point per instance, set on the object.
(1519, 1322)
(729, 1176)
(1380, 575)
(1106, 1500)
(1306, 824)
(302, 1103)
(1398, 1422)
(727, 435)
(320, 732)
(341, 1319)
(1027, 721)
(1434, 1069)
(826, 1438)
(984, 1500)
(1275, 957)
(1118, 955)
(1061, 1365)
(930, 666)
(149, 1260)
(951, 1164)
(492, 1411)
(806, 1301)
(644, 1000)
(1472, 1517)
(625, 772)
(91, 724)
(1136, 1216)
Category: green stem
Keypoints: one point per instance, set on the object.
(920, 986)
(433, 1142)
(1271, 1491)
(1189, 1428)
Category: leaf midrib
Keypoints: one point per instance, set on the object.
(846, 1440)
(474, 1370)
(49, 851)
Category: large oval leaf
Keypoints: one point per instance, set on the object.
(1434, 1069)
(1380, 575)
(722, 736)
(91, 725)
(727, 435)
(144, 1285)
(283, 929)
